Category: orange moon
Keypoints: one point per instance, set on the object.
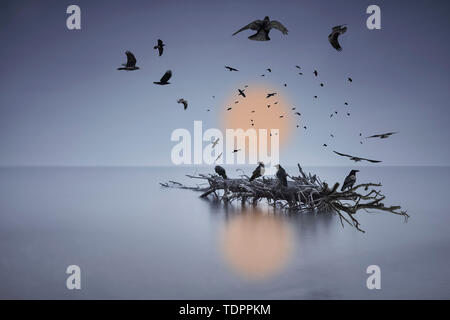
(256, 245)
(255, 107)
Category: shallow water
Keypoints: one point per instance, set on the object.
(136, 240)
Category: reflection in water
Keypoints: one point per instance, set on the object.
(256, 244)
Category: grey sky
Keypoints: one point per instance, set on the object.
(64, 103)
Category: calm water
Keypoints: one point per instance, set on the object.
(136, 240)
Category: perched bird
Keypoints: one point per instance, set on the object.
(160, 47)
(334, 35)
(165, 78)
(231, 69)
(281, 175)
(316, 73)
(258, 172)
(241, 93)
(349, 180)
(221, 172)
(262, 28)
(271, 94)
(184, 102)
(131, 62)
(356, 159)
(382, 136)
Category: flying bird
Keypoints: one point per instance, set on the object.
(321, 84)
(350, 79)
(165, 78)
(231, 69)
(271, 95)
(316, 73)
(214, 144)
(229, 109)
(325, 145)
(349, 180)
(281, 175)
(236, 150)
(221, 172)
(241, 93)
(382, 136)
(315, 97)
(270, 70)
(334, 36)
(184, 102)
(262, 28)
(131, 62)
(258, 172)
(298, 67)
(160, 47)
(346, 103)
(356, 159)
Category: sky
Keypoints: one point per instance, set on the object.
(64, 103)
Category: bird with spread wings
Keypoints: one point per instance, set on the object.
(262, 28)
(333, 37)
(356, 159)
(382, 135)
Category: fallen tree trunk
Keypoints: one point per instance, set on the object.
(305, 193)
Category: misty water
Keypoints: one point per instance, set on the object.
(134, 239)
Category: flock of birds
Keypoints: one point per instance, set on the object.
(263, 28)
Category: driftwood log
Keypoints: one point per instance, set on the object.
(305, 193)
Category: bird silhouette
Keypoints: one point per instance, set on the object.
(349, 180)
(164, 79)
(316, 73)
(160, 47)
(356, 159)
(221, 172)
(241, 93)
(271, 95)
(262, 28)
(382, 136)
(184, 102)
(131, 62)
(258, 172)
(334, 36)
(281, 175)
(231, 69)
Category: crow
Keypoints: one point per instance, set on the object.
(231, 69)
(160, 47)
(349, 180)
(164, 78)
(221, 172)
(382, 136)
(258, 172)
(131, 62)
(281, 175)
(184, 102)
(262, 28)
(356, 159)
(334, 35)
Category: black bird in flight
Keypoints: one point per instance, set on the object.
(258, 172)
(160, 47)
(346, 103)
(334, 35)
(262, 28)
(350, 79)
(271, 94)
(231, 69)
(356, 159)
(281, 175)
(275, 102)
(349, 180)
(315, 97)
(300, 73)
(321, 84)
(270, 70)
(221, 172)
(131, 62)
(165, 78)
(325, 145)
(298, 67)
(298, 113)
(241, 93)
(229, 109)
(236, 150)
(316, 73)
(184, 102)
(382, 136)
